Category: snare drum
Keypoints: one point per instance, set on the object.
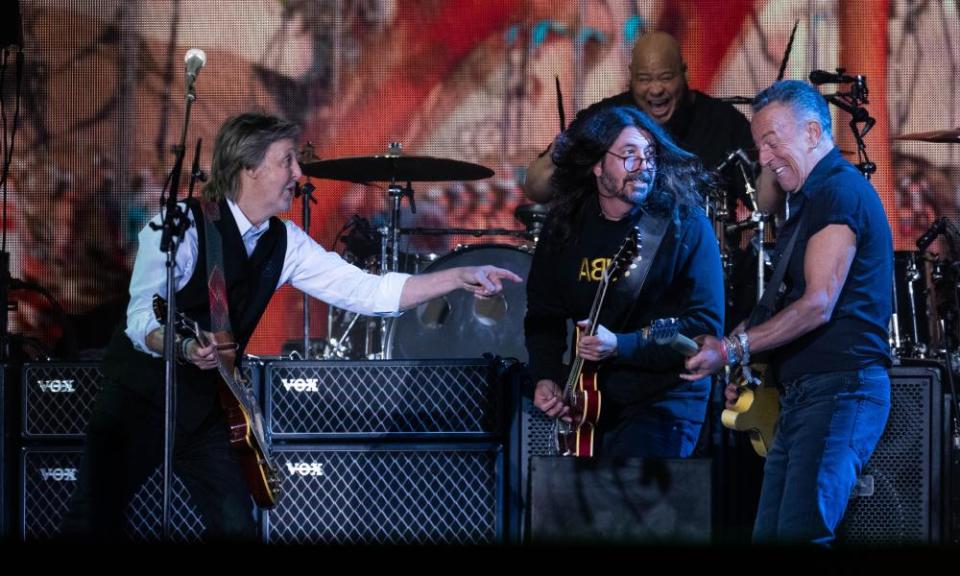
(461, 326)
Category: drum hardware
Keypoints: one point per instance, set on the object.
(528, 248)
(851, 102)
(394, 168)
(937, 136)
(459, 325)
(937, 270)
(532, 216)
(340, 348)
(729, 232)
(477, 232)
(362, 244)
(307, 154)
(913, 346)
(940, 313)
(362, 248)
(306, 192)
(906, 345)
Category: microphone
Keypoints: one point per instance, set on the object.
(195, 58)
(737, 155)
(748, 224)
(936, 229)
(818, 77)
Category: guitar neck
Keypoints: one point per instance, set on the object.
(630, 243)
(576, 367)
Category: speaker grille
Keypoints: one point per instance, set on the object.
(317, 399)
(58, 399)
(896, 498)
(538, 430)
(387, 495)
(145, 512)
(49, 478)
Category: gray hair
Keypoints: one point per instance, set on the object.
(242, 142)
(802, 98)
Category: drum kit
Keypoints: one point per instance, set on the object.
(926, 322)
(455, 326)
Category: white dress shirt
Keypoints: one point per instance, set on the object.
(306, 265)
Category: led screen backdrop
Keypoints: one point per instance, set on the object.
(102, 102)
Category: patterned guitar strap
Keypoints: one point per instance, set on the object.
(217, 288)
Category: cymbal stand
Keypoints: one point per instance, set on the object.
(397, 194)
(306, 192)
(913, 348)
(759, 216)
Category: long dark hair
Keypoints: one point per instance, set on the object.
(680, 182)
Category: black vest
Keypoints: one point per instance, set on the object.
(251, 282)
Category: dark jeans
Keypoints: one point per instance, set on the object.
(829, 425)
(124, 446)
(650, 434)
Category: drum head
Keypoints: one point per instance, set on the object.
(461, 326)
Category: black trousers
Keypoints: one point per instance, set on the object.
(124, 447)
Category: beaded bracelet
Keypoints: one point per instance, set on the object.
(734, 351)
(745, 346)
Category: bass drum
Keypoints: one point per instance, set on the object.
(461, 326)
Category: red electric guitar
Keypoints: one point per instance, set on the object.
(581, 392)
(247, 435)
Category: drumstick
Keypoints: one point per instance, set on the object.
(563, 117)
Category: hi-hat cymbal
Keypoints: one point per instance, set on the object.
(942, 136)
(360, 169)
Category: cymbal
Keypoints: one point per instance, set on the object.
(360, 169)
(944, 136)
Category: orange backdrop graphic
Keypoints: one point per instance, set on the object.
(473, 80)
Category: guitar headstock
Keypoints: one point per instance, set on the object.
(159, 309)
(627, 256)
(664, 330)
(182, 324)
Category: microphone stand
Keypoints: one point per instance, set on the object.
(852, 102)
(174, 226)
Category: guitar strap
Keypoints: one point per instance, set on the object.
(652, 229)
(217, 288)
(767, 305)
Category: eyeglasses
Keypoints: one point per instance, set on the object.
(633, 163)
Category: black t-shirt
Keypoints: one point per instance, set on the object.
(856, 334)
